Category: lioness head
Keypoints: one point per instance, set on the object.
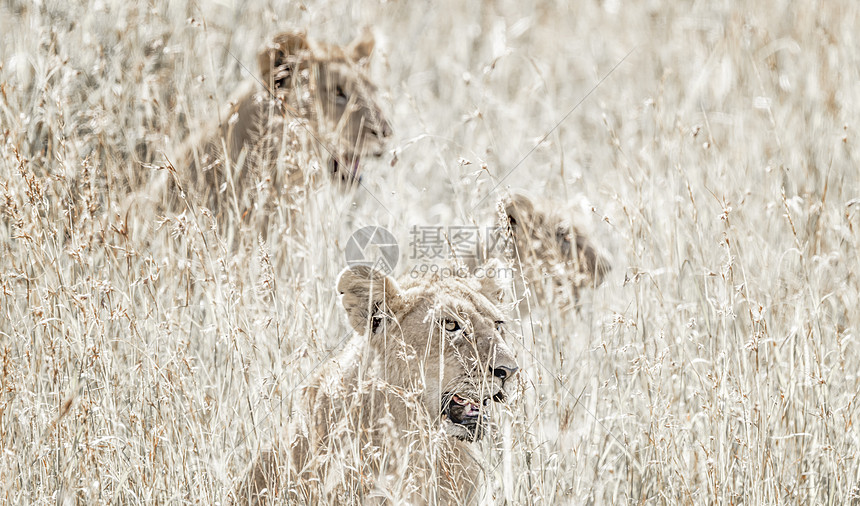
(549, 247)
(441, 337)
(327, 85)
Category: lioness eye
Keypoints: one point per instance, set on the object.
(500, 325)
(452, 325)
(341, 95)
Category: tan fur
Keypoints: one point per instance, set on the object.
(549, 250)
(304, 89)
(272, 478)
(381, 412)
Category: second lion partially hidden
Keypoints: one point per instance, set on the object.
(309, 98)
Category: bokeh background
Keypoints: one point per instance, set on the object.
(147, 357)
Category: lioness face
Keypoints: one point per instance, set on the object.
(345, 102)
(328, 87)
(476, 364)
(444, 337)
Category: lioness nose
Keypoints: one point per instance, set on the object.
(504, 373)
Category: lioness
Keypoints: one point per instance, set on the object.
(395, 416)
(548, 248)
(306, 87)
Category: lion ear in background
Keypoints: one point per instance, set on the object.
(280, 59)
(367, 295)
(519, 211)
(594, 262)
(495, 278)
(361, 47)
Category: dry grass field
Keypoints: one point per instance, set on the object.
(147, 355)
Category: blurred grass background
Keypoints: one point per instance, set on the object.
(145, 358)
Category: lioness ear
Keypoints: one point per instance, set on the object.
(519, 210)
(280, 59)
(495, 278)
(361, 47)
(366, 295)
(588, 256)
